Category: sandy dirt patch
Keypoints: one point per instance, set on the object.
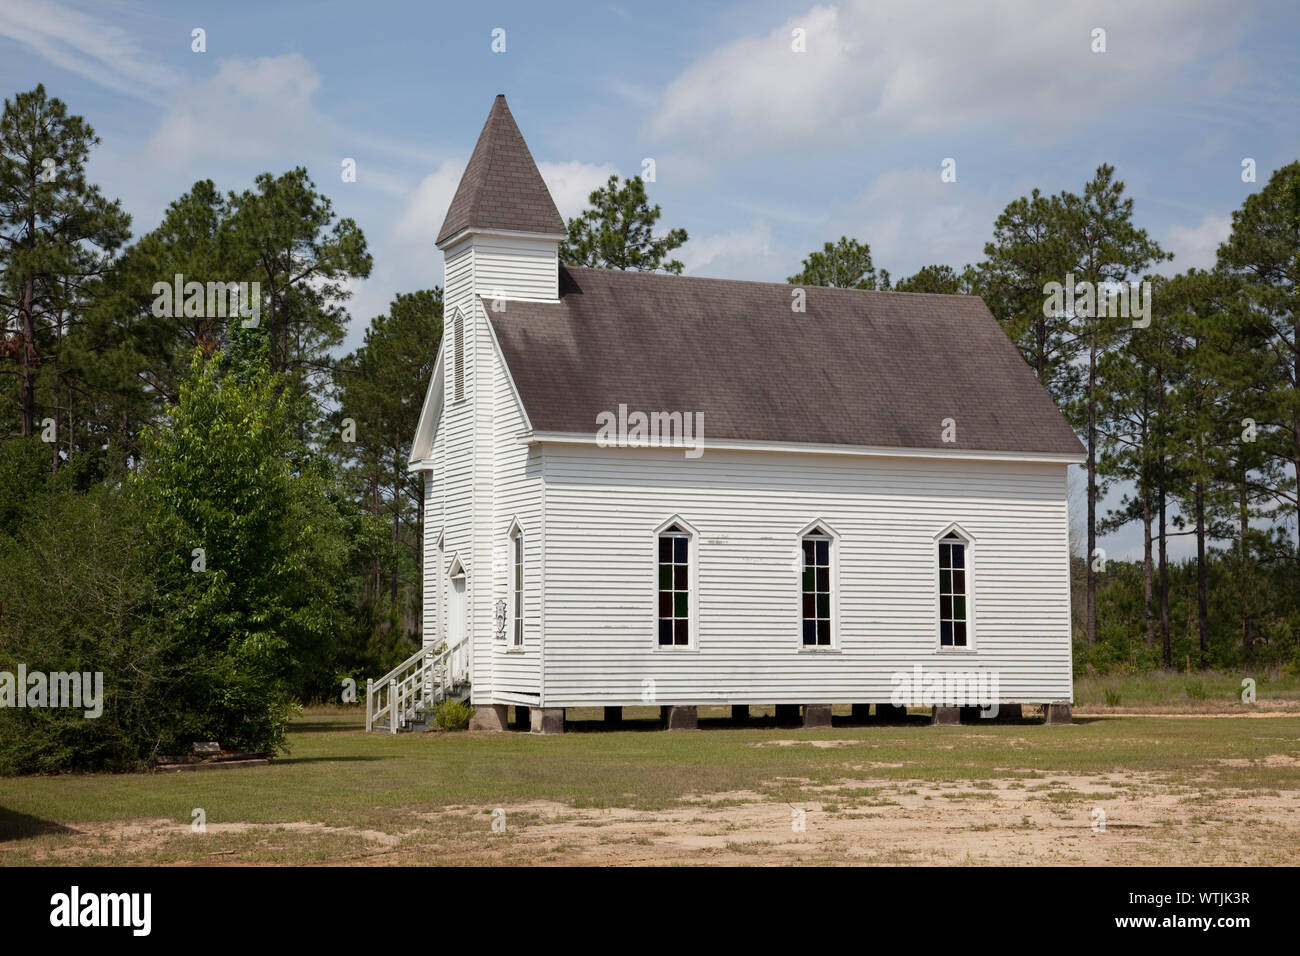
(1111, 819)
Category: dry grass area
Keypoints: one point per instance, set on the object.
(1127, 791)
(1055, 820)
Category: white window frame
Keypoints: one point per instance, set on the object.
(833, 536)
(968, 540)
(693, 583)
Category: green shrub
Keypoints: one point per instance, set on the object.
(1112, 698)
(1196, 689)
(452, 715)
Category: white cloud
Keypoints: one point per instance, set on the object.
(883, 64)
(911, 218)
(1197, 246)
(426, 207)
(571, 183)
(93, 48)
(258, 109)
(740, 254)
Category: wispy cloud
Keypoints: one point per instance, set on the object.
(89, 46)
(874, 65)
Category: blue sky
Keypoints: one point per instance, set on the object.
(761, 153)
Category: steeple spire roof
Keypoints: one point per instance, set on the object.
(501, 187)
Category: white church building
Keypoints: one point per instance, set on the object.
(652, 489)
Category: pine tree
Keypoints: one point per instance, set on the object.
(1263, 250)
(1104, 248)
(58, 232)
(617, 232)
(841, 265)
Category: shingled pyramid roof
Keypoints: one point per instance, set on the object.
(501, 187)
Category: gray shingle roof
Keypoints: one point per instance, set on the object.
(501, 187)
(877, 369)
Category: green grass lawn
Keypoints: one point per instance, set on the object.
(1172, 691)
(337, 776)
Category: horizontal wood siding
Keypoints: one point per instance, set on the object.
(432, 633)
(456, 451)
(516, 496)
(519, 268)
(603, 505)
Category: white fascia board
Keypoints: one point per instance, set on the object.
(507, 233)
(424, 427)
(811, 448)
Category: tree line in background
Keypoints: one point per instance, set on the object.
(216, 510)
(1193, 408)
(212, 510)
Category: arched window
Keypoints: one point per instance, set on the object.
(817, 617)
(675, 605)
(816, 604)
(955, 588)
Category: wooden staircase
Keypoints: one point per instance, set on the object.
(404, 698)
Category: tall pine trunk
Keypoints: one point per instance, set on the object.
(1202, 574)
(1091, 600)
(1147, 570)
(28, 398)
(1166, 652)
(1243, 516)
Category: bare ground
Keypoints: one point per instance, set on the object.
(1056, 819)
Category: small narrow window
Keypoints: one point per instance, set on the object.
(953, 585)
(816, 588)
(517, 617)
(458, 324)
(674, 587)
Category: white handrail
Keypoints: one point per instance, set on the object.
(425, 677)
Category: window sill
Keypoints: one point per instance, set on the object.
(675, 648)
(515, 649)
(956, 650)
(807, 649)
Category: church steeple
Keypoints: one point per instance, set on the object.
(501, 189)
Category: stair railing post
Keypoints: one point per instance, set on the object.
(392, 705)
(370, 710)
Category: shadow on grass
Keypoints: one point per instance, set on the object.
(358, 758)
(20, 826)
(327, 726)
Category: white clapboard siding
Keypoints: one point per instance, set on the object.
(518, 268)
(602, 507)
(457, 448)
(517, 497)
(433, 600)
(481, 479)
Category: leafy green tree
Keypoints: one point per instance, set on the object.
(253, 532)
(57, 233)
(79, 594)
(841, 265)
(617, 232)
